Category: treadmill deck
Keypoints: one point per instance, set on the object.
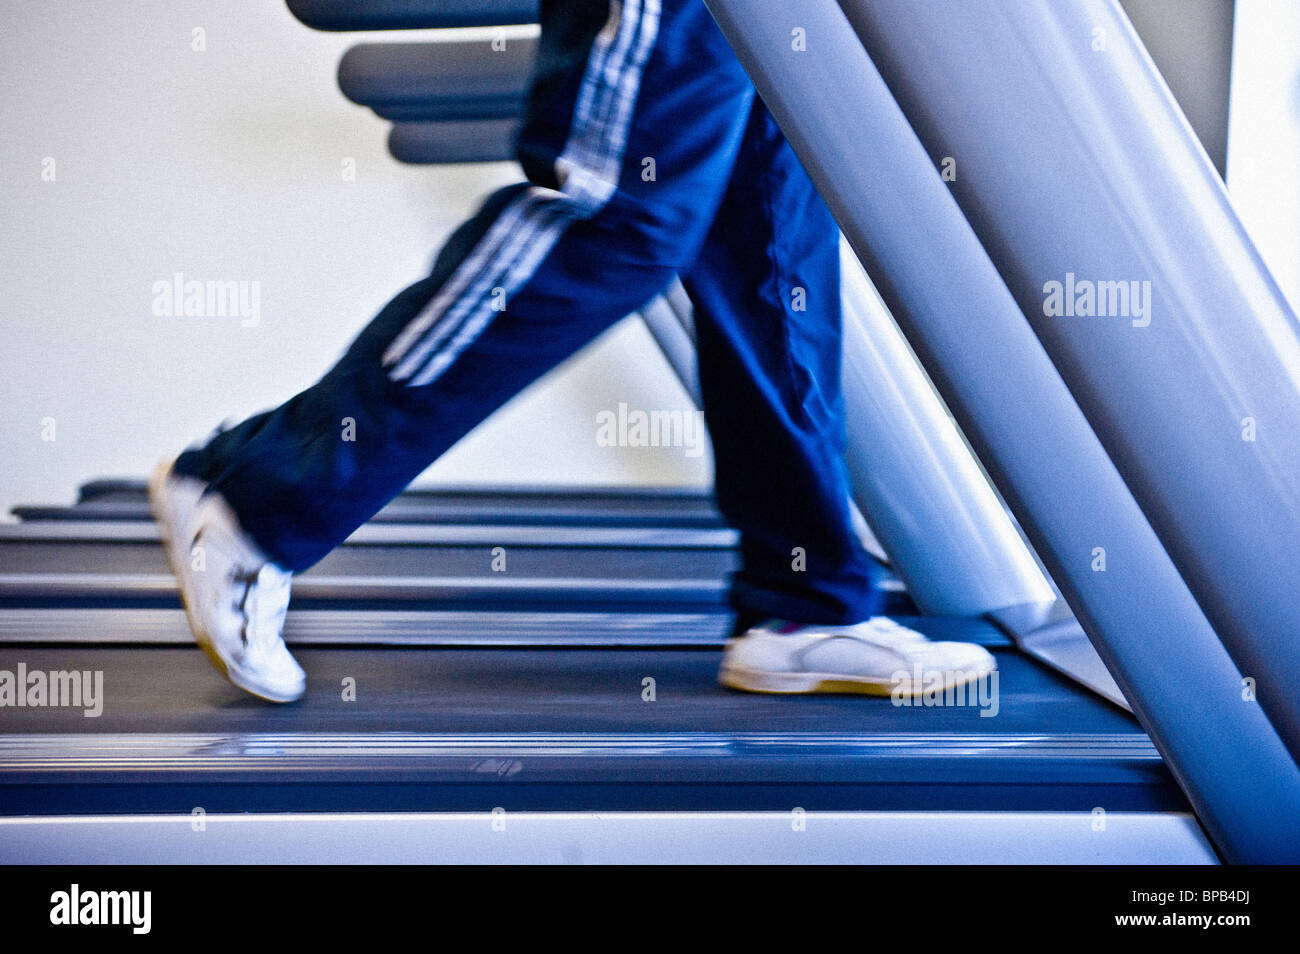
(556, 730)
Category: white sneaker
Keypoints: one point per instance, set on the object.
(234, 596)
(877, 657)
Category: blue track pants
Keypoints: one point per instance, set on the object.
(647, 154)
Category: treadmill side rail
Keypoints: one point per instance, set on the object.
(1022, 420)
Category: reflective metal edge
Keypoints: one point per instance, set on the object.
(737, 837)
(1049, 633)
(318, 751)
(132, 586)
(312, 627)
(401, 534)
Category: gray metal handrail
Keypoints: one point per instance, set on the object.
(890, 199)
(1115, 235)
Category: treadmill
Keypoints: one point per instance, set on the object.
(572, 700)
(575, 693)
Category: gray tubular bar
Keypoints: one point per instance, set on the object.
(448, 141)
(447, 79)
(1013, 406)
(913, 477)
(1090, 174)
(344, 15)
(671, 322)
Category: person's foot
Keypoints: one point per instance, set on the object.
(877, 657)
(234, 596)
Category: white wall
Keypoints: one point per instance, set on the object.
(1264, 133)
(227, 165)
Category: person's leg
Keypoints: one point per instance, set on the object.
(632, 129)
(767, 311)
(767, 297)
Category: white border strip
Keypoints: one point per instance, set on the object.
(501, 837)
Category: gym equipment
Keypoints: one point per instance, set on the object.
(517, 711)
(950, 298)
(347, 15)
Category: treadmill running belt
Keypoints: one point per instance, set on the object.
(468, 730)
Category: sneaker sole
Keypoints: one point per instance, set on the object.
(158, 507)
(816, 683)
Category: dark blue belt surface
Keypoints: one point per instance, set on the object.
(469, 730)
